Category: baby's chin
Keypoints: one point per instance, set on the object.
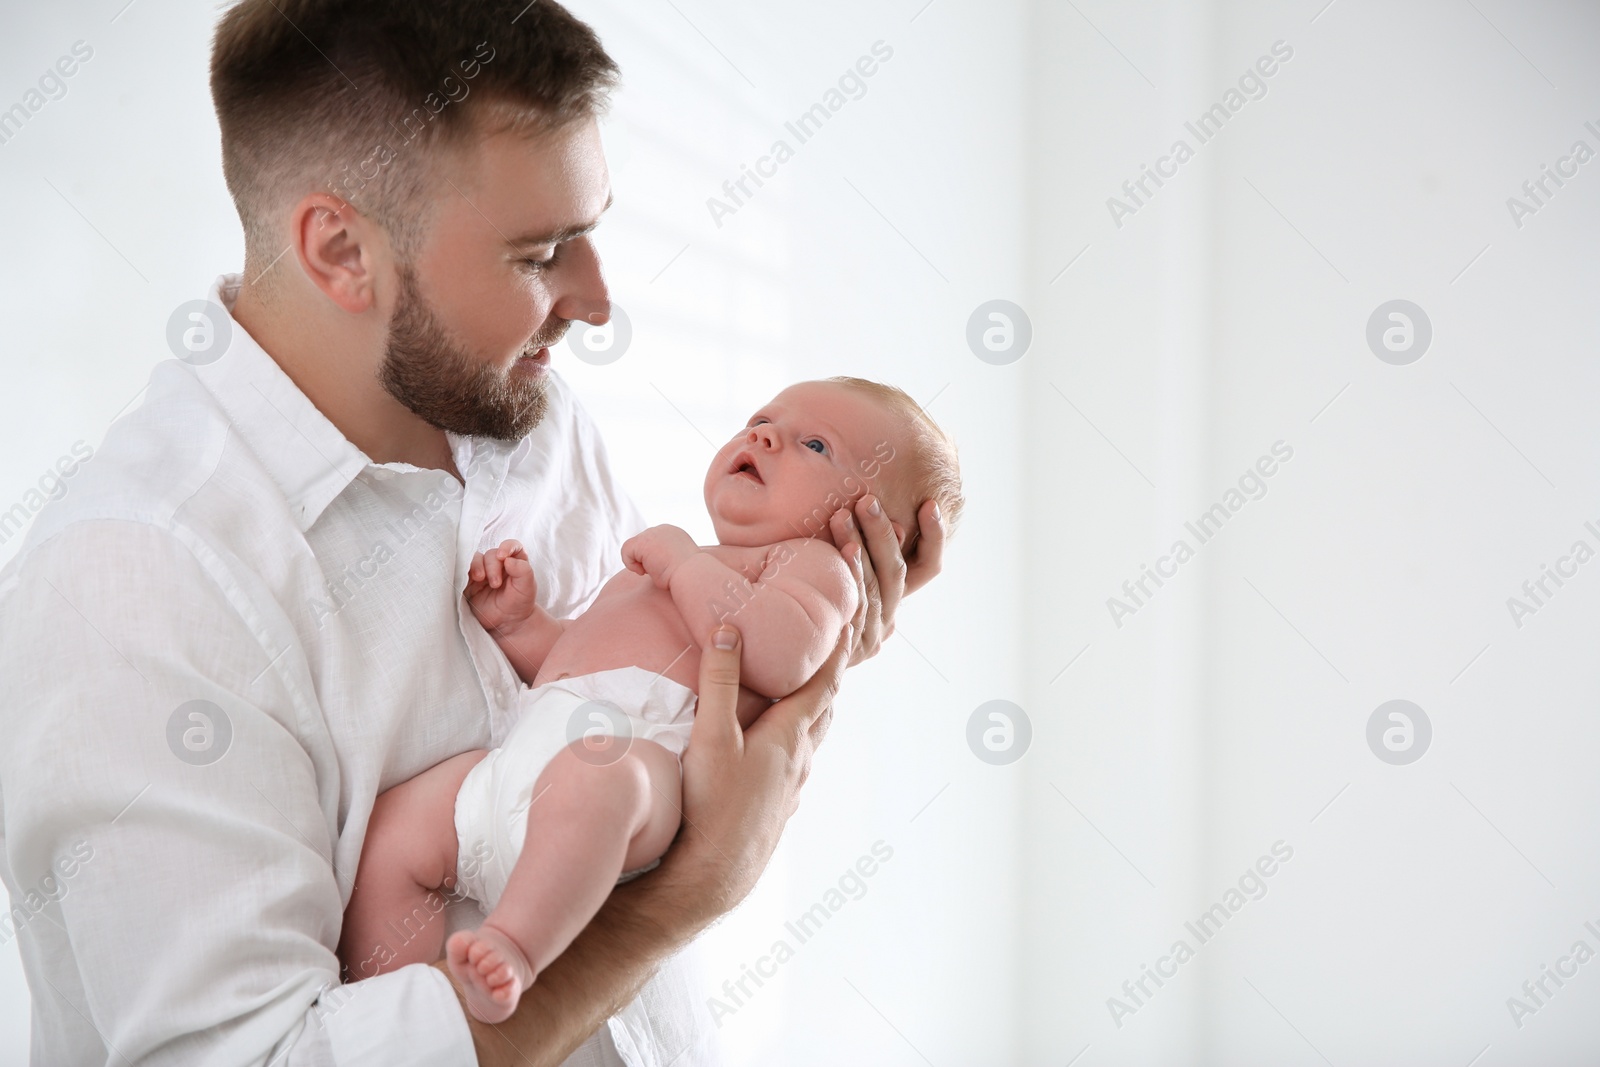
(741, 535)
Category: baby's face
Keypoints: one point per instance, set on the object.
(817, 447)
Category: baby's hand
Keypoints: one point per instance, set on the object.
(657, 551)
(501, 587)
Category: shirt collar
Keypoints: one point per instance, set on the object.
(303, 452)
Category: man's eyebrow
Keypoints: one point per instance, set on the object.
(566, 233)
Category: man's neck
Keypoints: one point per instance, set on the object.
(334, 362)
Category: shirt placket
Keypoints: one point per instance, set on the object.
(485, 466)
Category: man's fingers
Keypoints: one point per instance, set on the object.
(819, 726)
(888, 567)
(929, 554)
(716, 718)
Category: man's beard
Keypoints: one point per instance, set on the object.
(431, 375)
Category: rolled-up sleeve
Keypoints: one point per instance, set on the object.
(170, 800)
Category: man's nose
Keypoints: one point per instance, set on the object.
(584, 296)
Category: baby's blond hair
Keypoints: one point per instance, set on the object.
(935, 469)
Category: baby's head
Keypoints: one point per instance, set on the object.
(819, 446)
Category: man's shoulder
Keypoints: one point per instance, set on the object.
(151, 461)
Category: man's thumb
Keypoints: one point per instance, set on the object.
(717, 715)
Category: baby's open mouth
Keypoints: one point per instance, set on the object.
(744, 464)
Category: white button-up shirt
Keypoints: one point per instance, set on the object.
(230, 635)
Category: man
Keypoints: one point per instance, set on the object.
(246, 620)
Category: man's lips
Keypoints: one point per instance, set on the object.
(538, 360)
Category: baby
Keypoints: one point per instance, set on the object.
(598, 738)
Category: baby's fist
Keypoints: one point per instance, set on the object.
(657, 552)
(501, 587)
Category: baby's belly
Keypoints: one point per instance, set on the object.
(634, 624)
(625, 631)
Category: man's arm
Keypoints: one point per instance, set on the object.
(145, 717)
(739, 788)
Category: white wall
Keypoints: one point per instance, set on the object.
(1227, 714)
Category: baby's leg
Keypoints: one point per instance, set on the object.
(590, 821)
(396, 912)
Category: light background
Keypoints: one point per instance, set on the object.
(1168, 353)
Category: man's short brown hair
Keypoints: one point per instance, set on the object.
(354, 97)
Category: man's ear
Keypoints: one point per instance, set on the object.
(339, 250)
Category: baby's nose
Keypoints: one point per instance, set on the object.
(763, 436)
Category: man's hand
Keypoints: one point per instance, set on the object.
(887, 576)
(501, 587)
(740, 786)
(657, 552)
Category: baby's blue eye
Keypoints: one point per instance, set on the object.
(817, 447)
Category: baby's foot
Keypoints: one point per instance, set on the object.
(492, 971)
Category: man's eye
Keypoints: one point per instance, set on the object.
(544, 263)
(817, 446)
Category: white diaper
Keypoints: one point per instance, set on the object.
(492, 806)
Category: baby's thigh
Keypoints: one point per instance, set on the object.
(616, 781)
(666, 810)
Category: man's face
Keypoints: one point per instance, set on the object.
(505, 266)
(816, 447)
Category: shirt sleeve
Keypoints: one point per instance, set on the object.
(159, 744)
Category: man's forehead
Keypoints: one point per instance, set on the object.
(538, 188)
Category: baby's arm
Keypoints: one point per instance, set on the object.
(791, 616)
(501, 589)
